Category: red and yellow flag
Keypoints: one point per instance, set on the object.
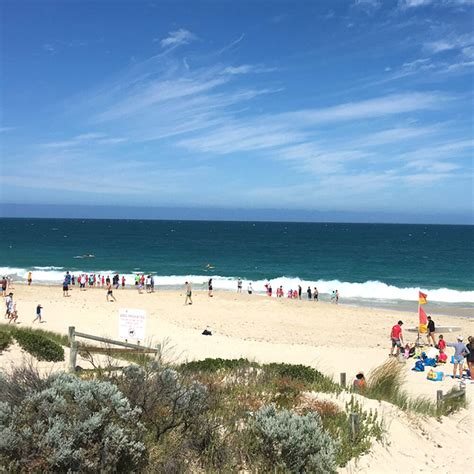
(422, 298)
(423, 321)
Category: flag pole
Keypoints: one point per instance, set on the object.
(418, 315)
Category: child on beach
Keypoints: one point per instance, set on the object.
(12, 313)
(65, 287)
(38, 313)
(110, 293)
(442, 357)
(359, 382)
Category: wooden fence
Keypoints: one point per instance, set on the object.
(130, 348)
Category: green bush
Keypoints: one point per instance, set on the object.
(5, 340)
(68, 425)
(39, 346)
(294, 443)
(305, 374)
(214, 365)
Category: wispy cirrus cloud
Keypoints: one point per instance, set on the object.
(449, 43)
(91, 138)
(407, 4)
(247, 69)
(178, 38)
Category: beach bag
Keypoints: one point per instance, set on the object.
(419, 366)
(442, 358)
(430, 362)
(435, 376)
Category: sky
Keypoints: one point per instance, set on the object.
(350, 107)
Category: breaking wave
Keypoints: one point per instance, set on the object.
(370, 290)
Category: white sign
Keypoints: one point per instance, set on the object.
(132, 323)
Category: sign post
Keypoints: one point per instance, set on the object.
(132, 323)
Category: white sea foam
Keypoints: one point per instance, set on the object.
(371, 290)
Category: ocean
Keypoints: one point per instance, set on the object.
(379, 264)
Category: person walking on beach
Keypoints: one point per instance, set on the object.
(189, 293)
(308, 292)
(9, 305)
(123, 281)
(397, 338)
(30, 278)
(110, 293)
(431, 332)
(249, 288)
(315, 294)
(460, 351)
(239, 286)
(299, 292)
(4, 286)
(209, 288)
(65, 287)
(38, 314)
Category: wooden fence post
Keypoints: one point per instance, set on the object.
(72, 349)
(343, 379)
(354, 425)
(439, 399)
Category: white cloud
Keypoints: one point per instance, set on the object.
(246, 69)
(232, 44)
(414, 3)
(381, 106)
(6, 129)
(368, 3)
(84, 139)
(405, 4)
(177, 38)
(50, 48)
(394, 135)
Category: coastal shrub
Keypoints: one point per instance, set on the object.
(39, 346)
(70, 425)
(5, 340)
(214, 365)
(303, 373)
(166, 399)
(294, 443)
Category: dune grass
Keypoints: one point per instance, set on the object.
(386, 383)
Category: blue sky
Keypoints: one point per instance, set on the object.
(331, 106)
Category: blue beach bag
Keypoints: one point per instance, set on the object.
(419, 366)
(430, 362)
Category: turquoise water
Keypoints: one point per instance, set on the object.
(377, 261)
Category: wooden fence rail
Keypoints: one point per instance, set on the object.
(440, 398)
(72, 333)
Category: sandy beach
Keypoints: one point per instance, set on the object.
(331, 338)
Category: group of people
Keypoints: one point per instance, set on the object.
(462, 352)
(11, 312)
(311, 294)
(6, 284)
(93, 280)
